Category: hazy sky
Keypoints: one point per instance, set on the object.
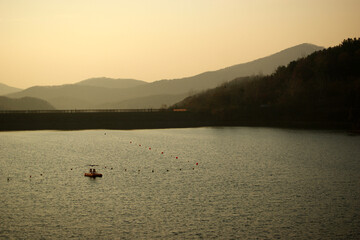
(52, 42)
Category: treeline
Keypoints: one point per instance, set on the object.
(321, 88)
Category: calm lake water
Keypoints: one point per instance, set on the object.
(250, 183)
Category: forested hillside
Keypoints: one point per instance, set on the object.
(323, 87)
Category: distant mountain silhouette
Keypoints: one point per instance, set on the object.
(146, 102)
(206, 80)
(322, 88)
(111, 83)
(5, 89)
(70, 96)
(25, 103)
(99, 94)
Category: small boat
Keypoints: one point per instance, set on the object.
(93, 173)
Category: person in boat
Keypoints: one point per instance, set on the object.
(93, 173)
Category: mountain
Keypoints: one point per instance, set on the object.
(111, 83)
(25, 103)
(5, 89)
(147, 102)
(82, 95)
(203, 81)
(323, 87)
(70, 96)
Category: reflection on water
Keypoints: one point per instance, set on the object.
(249, 183)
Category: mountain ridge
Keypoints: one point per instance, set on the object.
(320, 89)
(96, 97)
(111, 82)
(25, 103)
(6, 89)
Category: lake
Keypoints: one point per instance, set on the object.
(198, 183)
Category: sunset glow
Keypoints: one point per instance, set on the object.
(58, 42)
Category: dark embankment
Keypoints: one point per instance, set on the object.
(155, 119)
(77, 120)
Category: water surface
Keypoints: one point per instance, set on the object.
(250, 183)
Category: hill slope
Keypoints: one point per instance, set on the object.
(323, 87)
(5, 89)
(111, 83)
(71, 96)
(26, 103)
(81, 96)
(207, 80)
(266, 65)
(154, 101)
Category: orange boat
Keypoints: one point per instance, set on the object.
(93, 173)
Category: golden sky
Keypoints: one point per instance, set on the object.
(53, 42)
